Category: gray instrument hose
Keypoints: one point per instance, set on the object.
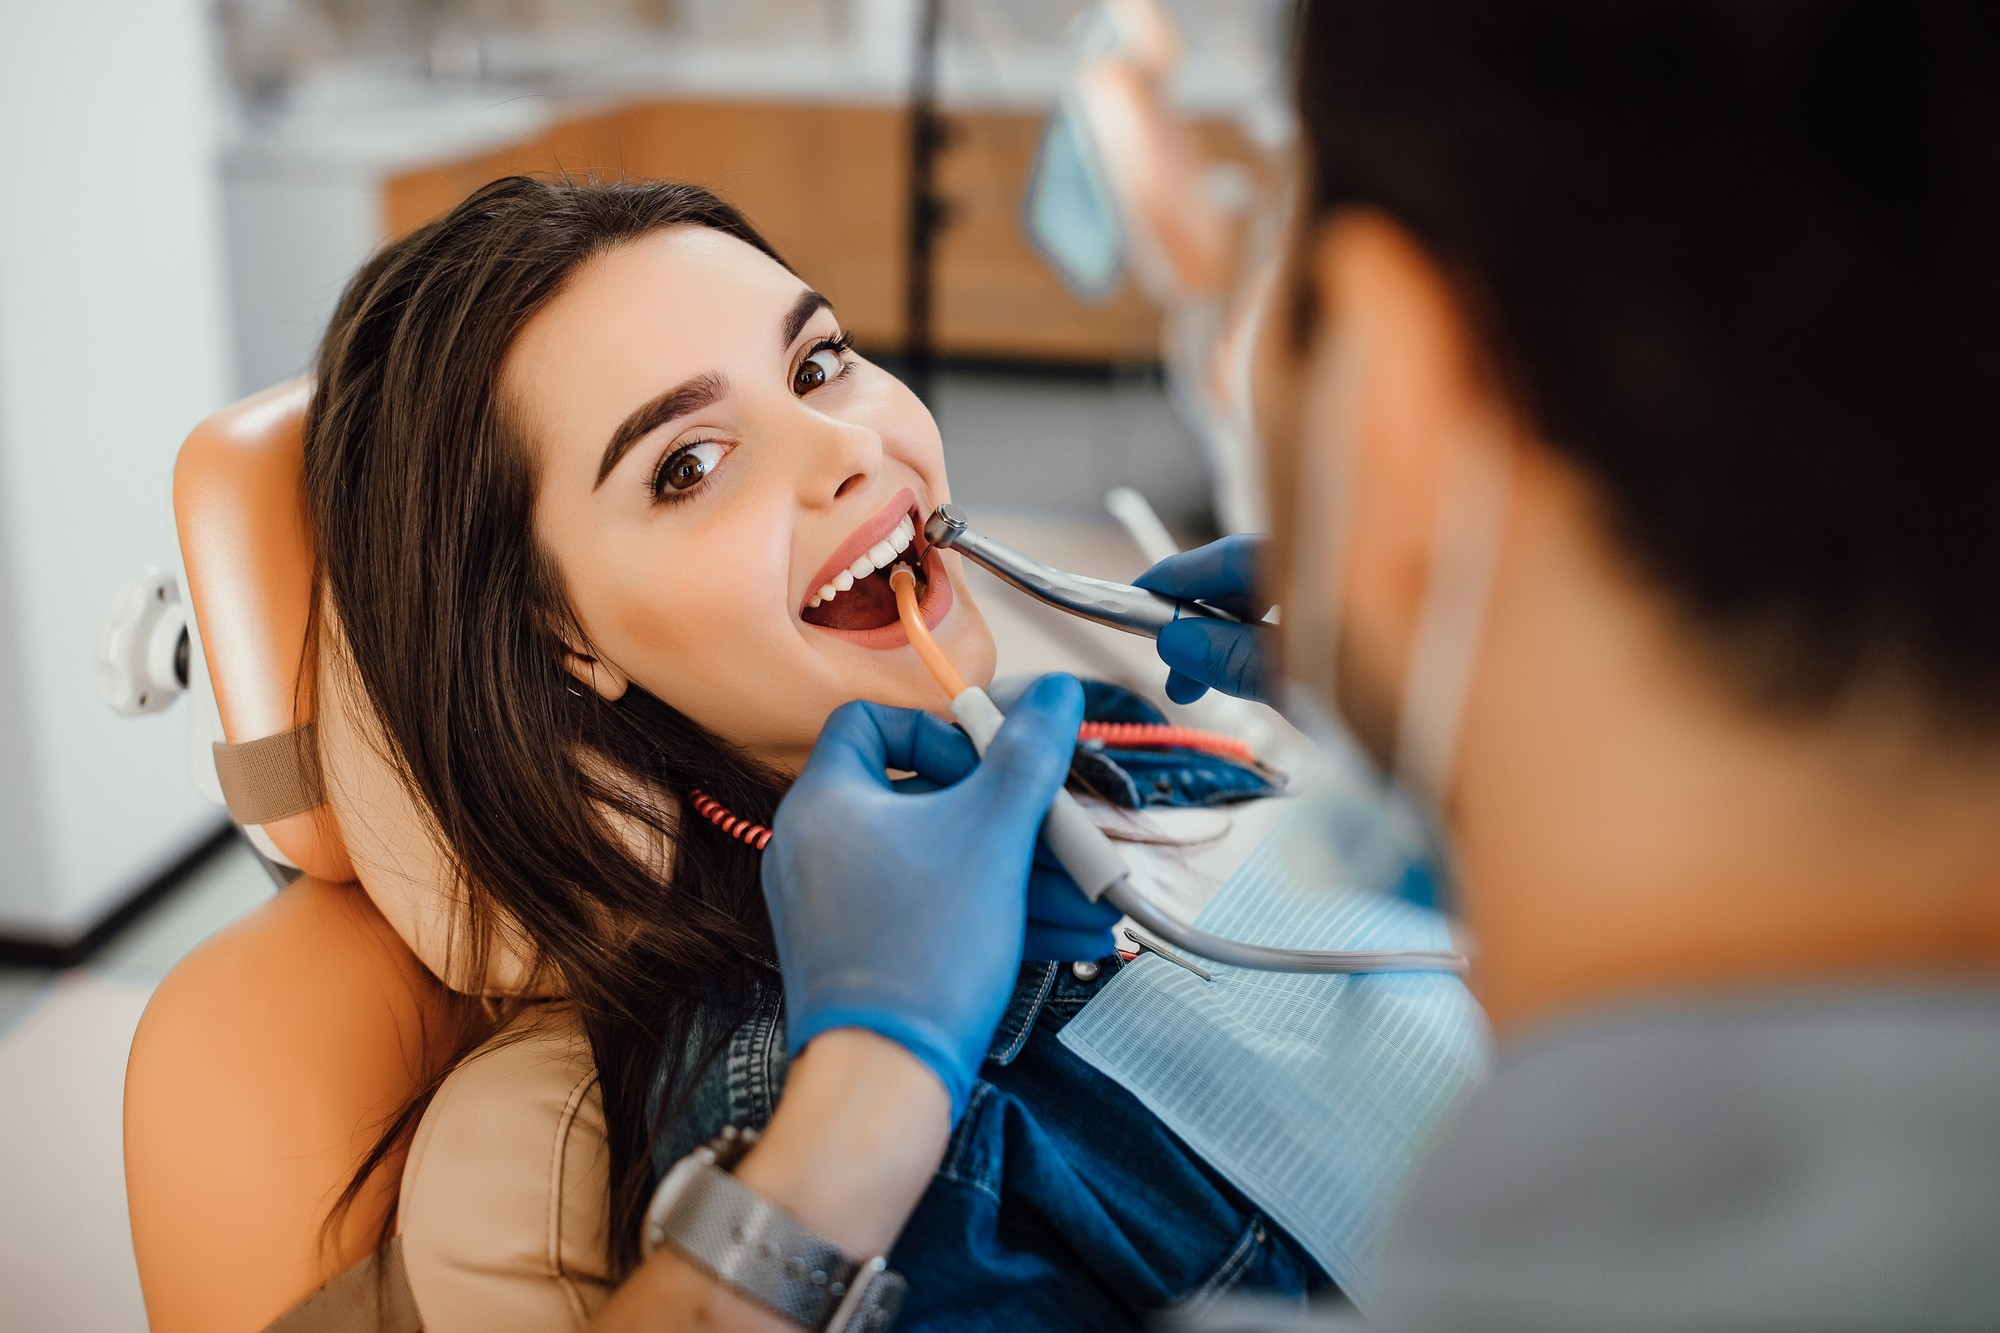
(1124, 896)
(1099, 869)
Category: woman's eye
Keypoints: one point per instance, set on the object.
(823, 365)
(686, 468)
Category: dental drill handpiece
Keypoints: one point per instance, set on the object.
(1118, 605)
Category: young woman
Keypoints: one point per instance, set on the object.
(604, 503)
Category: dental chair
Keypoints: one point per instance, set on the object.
(272, 1056)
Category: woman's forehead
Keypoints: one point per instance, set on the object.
(683, 284)
(664, 307)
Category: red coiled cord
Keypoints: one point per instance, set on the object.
(1132, 735)
(1162, 736)
(755, 835)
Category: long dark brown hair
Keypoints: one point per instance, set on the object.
(453, 624)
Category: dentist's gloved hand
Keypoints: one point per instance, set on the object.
(902, 912)
(1062, 925)
(1235, 659)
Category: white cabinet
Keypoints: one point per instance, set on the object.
(113, 344)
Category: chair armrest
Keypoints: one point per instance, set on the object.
(265, 1065)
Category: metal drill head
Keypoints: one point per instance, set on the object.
(943, 526)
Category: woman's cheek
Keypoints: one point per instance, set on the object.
(927, 459)
(739, 675)
(909, 432)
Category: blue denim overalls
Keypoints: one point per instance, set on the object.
(1062, 1203)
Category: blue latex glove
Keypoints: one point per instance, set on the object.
(1063, 925)
(902, 912)
(1235, 659)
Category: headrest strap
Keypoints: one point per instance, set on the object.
(273, 777)
(373, 1296)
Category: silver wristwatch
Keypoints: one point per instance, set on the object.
(751, 1245)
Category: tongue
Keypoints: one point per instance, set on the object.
(869, 604)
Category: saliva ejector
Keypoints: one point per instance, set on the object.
(1090, 857)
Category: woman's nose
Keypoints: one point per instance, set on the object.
(845, 456)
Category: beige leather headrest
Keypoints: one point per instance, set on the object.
(304, 760)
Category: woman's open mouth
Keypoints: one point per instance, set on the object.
(854, 596)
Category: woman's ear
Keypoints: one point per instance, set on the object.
(608, 681)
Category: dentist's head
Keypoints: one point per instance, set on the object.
(1633, 460)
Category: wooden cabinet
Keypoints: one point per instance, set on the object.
(827, 183)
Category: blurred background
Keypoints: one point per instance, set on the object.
(1039, 211)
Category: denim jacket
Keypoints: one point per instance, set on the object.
(1061, 1203)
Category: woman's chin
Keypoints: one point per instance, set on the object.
(898, 677)
(895, 677)
(967, 641)
(904, 685)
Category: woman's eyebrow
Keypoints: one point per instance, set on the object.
(810, 303)
(695, 394)
(689, 396)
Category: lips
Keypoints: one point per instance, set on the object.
(851, 595)
(880, 556)
(870, 535)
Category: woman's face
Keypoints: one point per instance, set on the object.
(712, 461)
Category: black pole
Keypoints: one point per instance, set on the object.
(926, 209)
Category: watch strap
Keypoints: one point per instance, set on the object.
(757, 1248)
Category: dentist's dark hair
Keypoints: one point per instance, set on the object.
(1739, 262)
(562, 813)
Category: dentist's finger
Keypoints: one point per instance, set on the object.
(1055, 943)
(1223, 573)
(1183, 689)
(939, 753)
(1230, 658)
(1055, 900)
(866, 739)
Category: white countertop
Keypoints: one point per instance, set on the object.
(386, 115)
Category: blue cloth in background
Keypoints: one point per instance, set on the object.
(1310, 1093)
(1138, 777)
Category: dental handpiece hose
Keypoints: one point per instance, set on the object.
(1094, 862)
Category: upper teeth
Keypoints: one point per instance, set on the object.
(875, 557)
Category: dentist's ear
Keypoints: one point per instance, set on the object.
(608, 681)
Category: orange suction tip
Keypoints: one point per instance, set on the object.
(932, 656)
